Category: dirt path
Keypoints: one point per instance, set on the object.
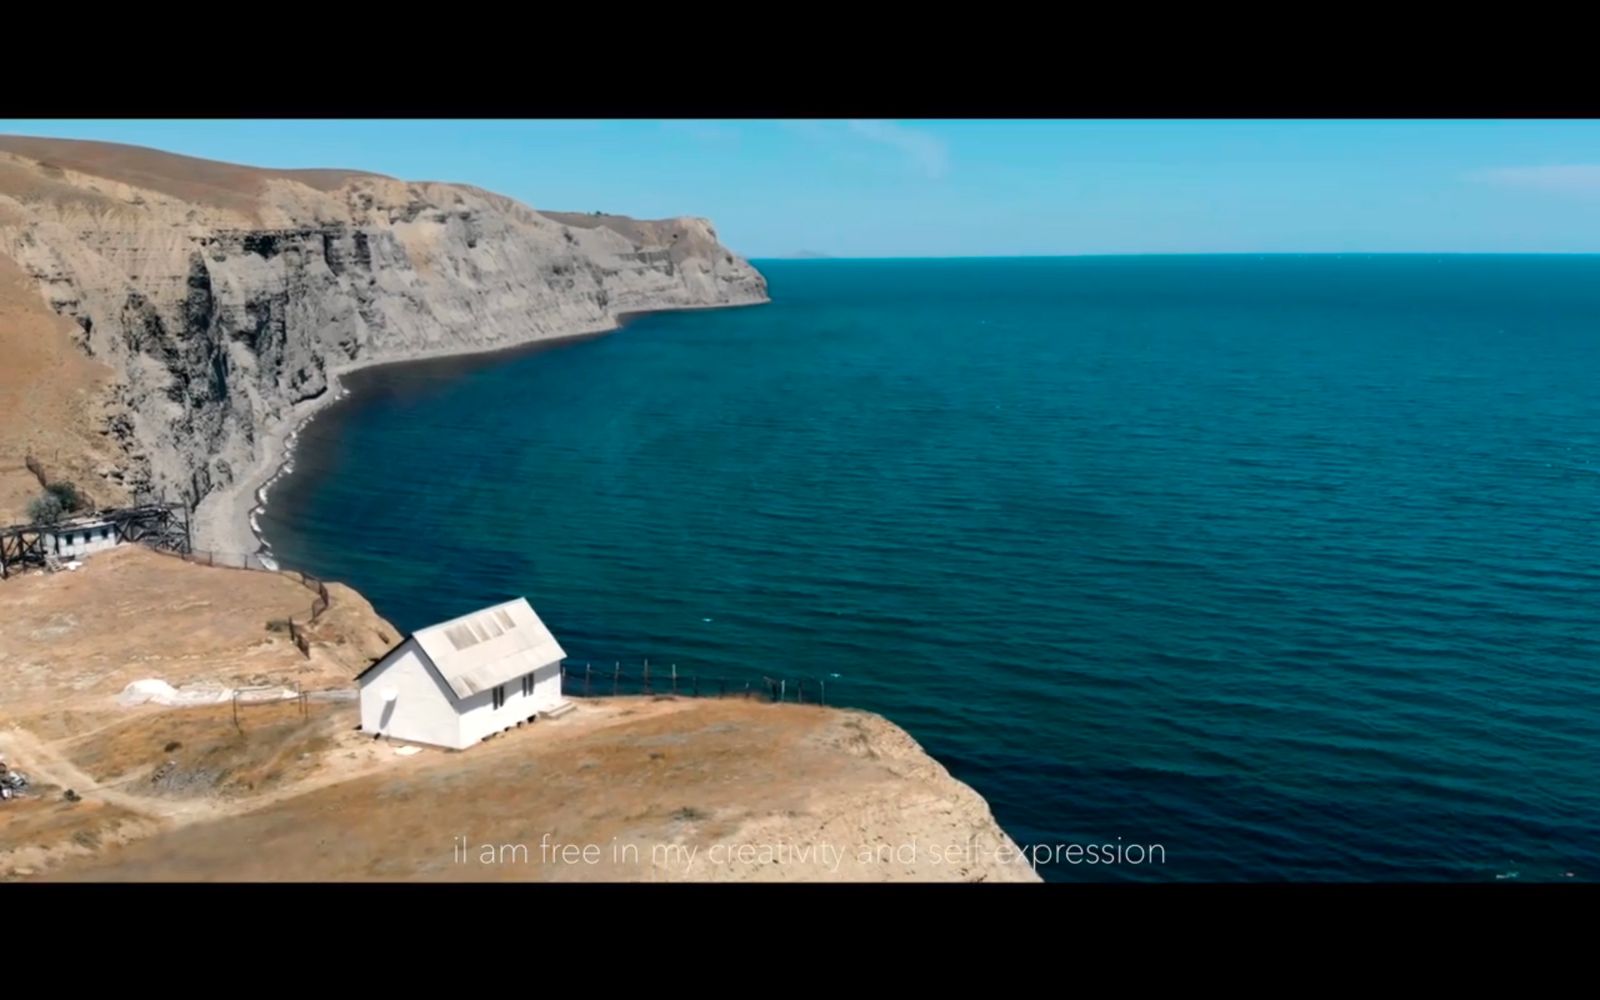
(43, 762)
(668, 790)
(40, 761)
(47, 762)
(692, 789)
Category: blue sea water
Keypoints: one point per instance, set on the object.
(1286, 564)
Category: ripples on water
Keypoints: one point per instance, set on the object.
(1286, 564)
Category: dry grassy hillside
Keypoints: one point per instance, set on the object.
(624, 789)
(130, 614)
(53, 399)
(228, 186)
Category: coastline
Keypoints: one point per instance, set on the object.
(227, 520)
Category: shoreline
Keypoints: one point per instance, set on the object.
(228, 519)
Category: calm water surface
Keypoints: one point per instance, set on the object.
(1286, 564)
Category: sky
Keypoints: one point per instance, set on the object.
(873, 188)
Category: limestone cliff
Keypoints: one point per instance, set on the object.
(222, 298)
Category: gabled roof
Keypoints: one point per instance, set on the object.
(476, 652)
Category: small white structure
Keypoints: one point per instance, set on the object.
(452, 684)
(76, 539)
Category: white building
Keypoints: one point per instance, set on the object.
(76, 539)
(452, 684)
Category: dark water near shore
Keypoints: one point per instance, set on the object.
(1286, 564)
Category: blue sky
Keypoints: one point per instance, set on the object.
(981, 188)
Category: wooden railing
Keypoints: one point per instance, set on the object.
(588, 681)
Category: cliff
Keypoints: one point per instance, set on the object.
(675, 789)
(208, 307)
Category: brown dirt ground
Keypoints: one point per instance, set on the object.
(657, 786)
(666, 776)
(43, 830)
(149, 769)
(204, 751)
(71, 641)
(51, 400)
(131, 613)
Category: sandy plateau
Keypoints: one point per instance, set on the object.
(634, 789)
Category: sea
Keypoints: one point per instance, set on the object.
(1284, 565)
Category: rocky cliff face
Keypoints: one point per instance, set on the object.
(221, 297)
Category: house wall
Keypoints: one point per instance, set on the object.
(71, 543)
(479, 717)
(424, 710)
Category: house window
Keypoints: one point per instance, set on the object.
(499, 696)
(527, 684)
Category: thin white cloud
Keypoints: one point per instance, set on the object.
(926, 152)
(919, 151)
(1569, 178)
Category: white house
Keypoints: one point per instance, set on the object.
(75, 539)
(452, 684)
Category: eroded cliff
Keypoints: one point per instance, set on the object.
(221, 299)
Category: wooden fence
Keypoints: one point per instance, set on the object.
(276, 695)
(590, 681)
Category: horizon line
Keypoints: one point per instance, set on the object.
(822, 259)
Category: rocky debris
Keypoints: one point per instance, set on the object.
(170, 778)
(12, 783)
(157, 691)
(153, 690)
